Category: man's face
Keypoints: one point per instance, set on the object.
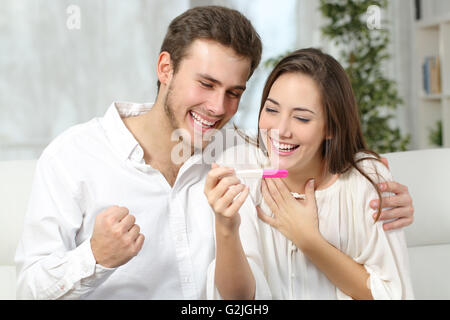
(205, 92)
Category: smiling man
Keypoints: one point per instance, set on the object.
(111, 215)
(199, 98)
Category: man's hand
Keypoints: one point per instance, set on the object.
(116, 238)
(401, 206)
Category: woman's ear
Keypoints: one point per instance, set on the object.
(164, 68)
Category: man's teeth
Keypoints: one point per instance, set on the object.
(201, 121)
(284, 146)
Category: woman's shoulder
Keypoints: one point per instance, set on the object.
(372, 167)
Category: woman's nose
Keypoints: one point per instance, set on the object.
(284, 130)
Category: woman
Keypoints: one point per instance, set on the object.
(312, 236)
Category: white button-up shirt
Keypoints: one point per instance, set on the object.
(89, 168)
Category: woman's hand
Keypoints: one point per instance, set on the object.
(233, 276)
(221, 189)
(297, 220)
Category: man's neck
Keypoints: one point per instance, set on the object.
(153, 132)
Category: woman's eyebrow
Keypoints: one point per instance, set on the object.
(295, 109)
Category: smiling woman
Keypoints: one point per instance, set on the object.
(293, 122)
(317, 221)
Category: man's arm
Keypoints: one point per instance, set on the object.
(50, 264)
(401, 209)
(400, 206)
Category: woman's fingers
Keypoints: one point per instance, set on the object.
(273, 190)
(223, 203)
(237, 203)
(309, 191)
(222, 187)
(265, 218)
(283, 189)
(215, 175)
(268, 197)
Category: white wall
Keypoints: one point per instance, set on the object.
(52, 77)
(433, 8)
(277, 25)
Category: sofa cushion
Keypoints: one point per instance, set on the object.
(426, 173)
(429, 271)
(15, 187)
(8, 282)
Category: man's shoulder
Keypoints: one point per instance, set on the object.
(73, 140)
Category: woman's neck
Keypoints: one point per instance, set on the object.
(297, 179)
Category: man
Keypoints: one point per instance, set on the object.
(111, 216)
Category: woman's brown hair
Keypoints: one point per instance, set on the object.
(342, 122)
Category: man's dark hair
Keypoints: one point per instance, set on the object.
(226, 26)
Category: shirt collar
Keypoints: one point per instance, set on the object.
(118, 134)
(124, 142)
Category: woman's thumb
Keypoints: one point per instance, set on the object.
(309, 189)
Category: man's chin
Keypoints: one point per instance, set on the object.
(202, 138)
(201, 141)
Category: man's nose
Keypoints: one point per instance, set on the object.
(216, 104)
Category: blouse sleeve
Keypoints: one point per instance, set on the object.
(383, 253)
(251, 242)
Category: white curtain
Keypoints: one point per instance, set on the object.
(52, 77)
(301, 20)
(276, 23)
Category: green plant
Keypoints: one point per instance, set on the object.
(363, 54)
(435, 135)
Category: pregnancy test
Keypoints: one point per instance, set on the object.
(262, 173)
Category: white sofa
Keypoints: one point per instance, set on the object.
(425, 172)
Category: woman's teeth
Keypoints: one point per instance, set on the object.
(199, 120)
(284, 147)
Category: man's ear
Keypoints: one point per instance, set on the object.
(164, 68)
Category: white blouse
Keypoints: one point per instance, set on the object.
(282, 271)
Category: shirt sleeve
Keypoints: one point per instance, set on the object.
(50, 262)
(383, 254)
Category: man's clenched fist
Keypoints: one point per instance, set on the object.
(116, 238)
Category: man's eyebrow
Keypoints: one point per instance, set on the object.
(209, 78)
(295, 109)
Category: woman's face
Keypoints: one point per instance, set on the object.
(292, 122)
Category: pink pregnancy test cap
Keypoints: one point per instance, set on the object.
(274, 173)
